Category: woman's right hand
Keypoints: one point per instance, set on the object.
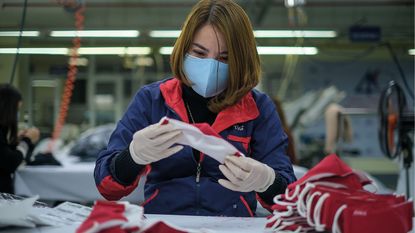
(154, 143)
(32, 133)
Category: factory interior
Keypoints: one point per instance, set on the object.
(337, 77)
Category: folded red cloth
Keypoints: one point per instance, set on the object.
(123, 217)
(330, 197)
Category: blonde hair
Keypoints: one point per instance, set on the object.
(243, 60)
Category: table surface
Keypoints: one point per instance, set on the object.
(211, 224)
(70, 182)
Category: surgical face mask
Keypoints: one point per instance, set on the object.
(208, 76)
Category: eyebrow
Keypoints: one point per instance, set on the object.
(205, 49)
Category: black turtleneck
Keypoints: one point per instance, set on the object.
(197, 110)
(197, 105)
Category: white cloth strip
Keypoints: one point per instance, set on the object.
(213, 146)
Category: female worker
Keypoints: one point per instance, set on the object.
(15, 147)
(215, 67)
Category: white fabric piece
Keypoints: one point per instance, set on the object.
(16, 213)
(211, 145)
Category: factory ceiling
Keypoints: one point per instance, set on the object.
(395, 18)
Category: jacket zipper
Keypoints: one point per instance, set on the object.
(198, 172)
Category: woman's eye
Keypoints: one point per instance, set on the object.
(223, 59)
(198, 53)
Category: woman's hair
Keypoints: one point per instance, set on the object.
(243, 60)
(291, 147)
(9, 104)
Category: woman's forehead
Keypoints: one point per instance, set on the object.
(210, 37)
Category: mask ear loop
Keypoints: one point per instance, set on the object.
(301, 202)
(294, 194)
(309, 205)
(279, 200)
(317, 212)
(277, 217)
(335, 227)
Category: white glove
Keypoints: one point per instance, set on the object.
(154, 143)
(246, 174)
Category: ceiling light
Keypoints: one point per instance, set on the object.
(294, 3)
(411, 52)
(166, 50)
(144, 61)
(114, 50)
(279, 50)
(81, 51)
(164, 33)
(295, 33)
(49, 51)
(137, 50)
(96, 33)
(271, 50)
(43, 83)
(261, 33)
(17, 33)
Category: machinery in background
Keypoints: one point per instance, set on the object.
(396, 129)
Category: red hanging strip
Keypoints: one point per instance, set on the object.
(70, 79)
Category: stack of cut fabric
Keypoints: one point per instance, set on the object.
(330, 198)
(123, 217)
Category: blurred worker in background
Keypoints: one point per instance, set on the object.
(15, 147)
(215, 68)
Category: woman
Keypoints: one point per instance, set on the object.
(215, 68)
(15, 147)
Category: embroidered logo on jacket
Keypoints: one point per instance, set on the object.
(238, 127)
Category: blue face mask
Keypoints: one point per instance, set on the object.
(208, 76)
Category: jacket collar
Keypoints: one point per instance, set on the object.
(172, 93)
(245, 110)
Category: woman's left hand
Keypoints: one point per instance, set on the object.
(246, 174)
(32, 133)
